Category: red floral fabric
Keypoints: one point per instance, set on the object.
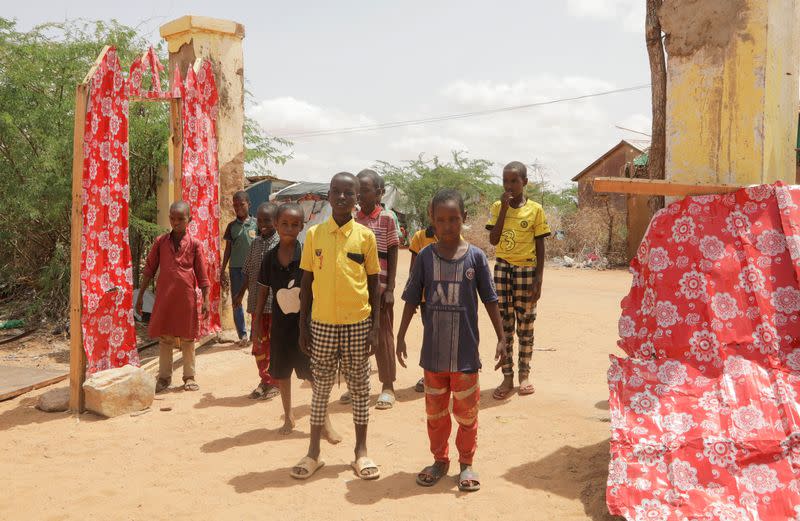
(147, 62)
(704, 414)
(106, 276)
(200, 178)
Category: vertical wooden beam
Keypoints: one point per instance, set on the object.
(175, 149)
(77, 356)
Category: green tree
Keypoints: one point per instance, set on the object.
(419, 180)
(39, 70)
(38, 73)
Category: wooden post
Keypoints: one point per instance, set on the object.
(77, 356)
(176, 147)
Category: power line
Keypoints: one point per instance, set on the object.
(634, 131)
(449, 117)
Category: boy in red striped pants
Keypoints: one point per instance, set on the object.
(451, 274)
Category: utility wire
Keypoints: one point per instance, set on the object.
(449, 117)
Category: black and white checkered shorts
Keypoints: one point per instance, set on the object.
(334, 348)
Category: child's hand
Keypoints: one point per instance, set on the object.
(138, 307)
(372, 341)
(536, 292)
(305, 340)
(500, 353)
(237, 300)
(505, 199)
(402, 354)
(204, 307)
(387, 299)
(223, 279)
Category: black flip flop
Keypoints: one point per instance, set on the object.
(469, 475)
(435, 472)
(420, 387)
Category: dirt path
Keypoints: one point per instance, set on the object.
(218, 455)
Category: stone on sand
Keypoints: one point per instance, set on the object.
(54, 400)
(118, 391)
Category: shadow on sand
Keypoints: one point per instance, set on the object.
(573, 473)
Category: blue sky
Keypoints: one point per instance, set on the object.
(326, 65)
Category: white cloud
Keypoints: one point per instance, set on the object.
(287, 115)
(431, 144)
(486, 94)
(630, 13)
(564, 136)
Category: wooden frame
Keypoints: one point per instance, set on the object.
(626, 185)
(168, 192)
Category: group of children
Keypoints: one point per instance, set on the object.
(323, 308)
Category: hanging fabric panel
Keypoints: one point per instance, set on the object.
(106, 277)
(200, 178)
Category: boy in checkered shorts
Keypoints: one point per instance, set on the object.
(339, 318)
(517, 227)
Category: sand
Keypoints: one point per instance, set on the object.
(218, 455)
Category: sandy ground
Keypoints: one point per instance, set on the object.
(218, 455)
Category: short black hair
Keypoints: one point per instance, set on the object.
(345, 175)
(446, 195)
(181, 206)
(241, 194)
(519, 168)
(289, 207)
(377, 179)
(270, 208)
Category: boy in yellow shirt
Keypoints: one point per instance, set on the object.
(517, 227)
(339, 318)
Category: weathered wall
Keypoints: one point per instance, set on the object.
(732, 90)
(219, 41)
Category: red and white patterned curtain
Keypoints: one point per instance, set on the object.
(106, 276)
(200, 177)
(107, 322)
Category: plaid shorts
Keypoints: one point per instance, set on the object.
(334, 348)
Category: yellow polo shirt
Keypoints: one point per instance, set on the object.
(521, 228)
(340, 258)
(422, 239)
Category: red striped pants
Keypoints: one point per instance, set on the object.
(261, 345)
(466, 397)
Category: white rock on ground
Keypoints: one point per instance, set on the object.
(122, 390)
(228, 336)
(54, 400)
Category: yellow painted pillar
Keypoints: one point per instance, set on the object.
(732, 91)
(220, 41)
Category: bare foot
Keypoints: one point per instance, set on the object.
(288, 426)
(329, 433)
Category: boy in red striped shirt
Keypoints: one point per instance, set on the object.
(382, 224)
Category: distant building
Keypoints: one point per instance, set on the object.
(623, 160)
(611, 164)
(260, 188)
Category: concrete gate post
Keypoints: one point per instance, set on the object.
(732, 88)
(219, 41)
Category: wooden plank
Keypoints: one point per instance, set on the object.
(77, 356)
(89, 75)
(657, 187)
(15, 381)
